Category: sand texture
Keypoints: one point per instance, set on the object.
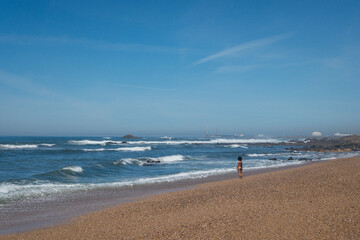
(317, 201)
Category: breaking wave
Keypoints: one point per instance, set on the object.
(170, 141)
(47, 144)
(23, 146)
(236, 146)
(76, 169)
(166, 137)
(259, 154)
(125, 149)
(131, 161)
(11, 191)
(212, 141)
(149, 160)
(172, 158)
(91, 142)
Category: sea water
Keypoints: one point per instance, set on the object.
(38, 167)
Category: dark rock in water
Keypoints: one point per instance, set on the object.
(305, 159)
(273, 159)
(124, 142)
(153, 161)
(290, 158)
(333, 144)
(129, 136)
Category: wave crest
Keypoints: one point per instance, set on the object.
(236, 146)
(149, 160)
(171, 158)
(90, 142)
(11, 146)
(212, 141)
(125, 149)
(47, 144)
(76, 169)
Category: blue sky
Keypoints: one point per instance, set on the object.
(171, 67)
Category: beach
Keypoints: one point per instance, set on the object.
(315, 201)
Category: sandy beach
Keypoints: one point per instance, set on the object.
(316, 201)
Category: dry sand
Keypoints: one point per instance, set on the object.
(317, 201)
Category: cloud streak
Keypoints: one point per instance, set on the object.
(28, 86)
(231, 68)
(83, 42)
(243, 47)
(25, 85)
(143, 87)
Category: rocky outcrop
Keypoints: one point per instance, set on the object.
(334, 144)
(129, 136)
(153, 161)
(325, 144)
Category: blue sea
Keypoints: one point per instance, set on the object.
(38, 167)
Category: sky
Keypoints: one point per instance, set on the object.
(153, 68)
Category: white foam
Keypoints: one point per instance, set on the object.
(184, 175)
(236, 146)
(166, 137)
(342, 134)
(142, 161)
(132, 149)
(172, 158)
(259, 154)
(212, 141)
(251, 140)
(273, 164)
(94, 150)
(90, 142)
(47, 144)
(168, 159)
(11, 146)
(76, 169)
(126, 161)
(125, 149)
(11, 191)
(178, 142)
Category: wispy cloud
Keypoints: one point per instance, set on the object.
(232, 68)
(28, 86)
(243, 47)
(245, 68)
(144, 87)
(83, 42)
(25, 85)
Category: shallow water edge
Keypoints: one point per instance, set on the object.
(40, 213)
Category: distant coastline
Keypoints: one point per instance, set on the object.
(323, 144)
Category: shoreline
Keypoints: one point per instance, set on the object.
(314, 201)
(59, 209)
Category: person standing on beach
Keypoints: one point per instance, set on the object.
(239, 167)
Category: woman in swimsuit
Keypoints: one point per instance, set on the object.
(239, 167)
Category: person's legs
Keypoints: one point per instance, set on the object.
(240, 174)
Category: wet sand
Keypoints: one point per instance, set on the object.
(316, 201)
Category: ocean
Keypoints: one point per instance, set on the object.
(41, 167)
